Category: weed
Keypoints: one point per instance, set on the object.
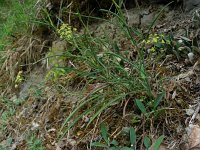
(118, 75)
(7, 144)
(16, 18)
(114, 145)
(34, 143)
(9, 109)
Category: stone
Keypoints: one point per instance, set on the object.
(190, 4)
(56, 54)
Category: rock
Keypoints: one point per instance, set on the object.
(146, 20)
(190, 4)
(55, 55)
(133, 19)
(191, 57)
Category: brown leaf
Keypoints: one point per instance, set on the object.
(194, 137)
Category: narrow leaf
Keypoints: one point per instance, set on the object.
(141, 106)
(97, 144)
(126, 148)
(158, 143)
(104, 133)
(158, 100)
(132, 136)
(156, 18)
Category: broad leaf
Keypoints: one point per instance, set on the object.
(147, 142)
(114, 143)
(141, 106)
(113, 148)
(158, 143)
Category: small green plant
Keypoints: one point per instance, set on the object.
(9, 109)
(151, 105)
(55, 73)
(15, 19)
(34, 143)
(8, 143)
(114, 145)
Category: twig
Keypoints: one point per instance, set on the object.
(40, 60)
(112, 135)
(137, 4)
(195, 114)
(124, 109)
(94, 129)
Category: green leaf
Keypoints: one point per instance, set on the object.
(147, 142)
(141, 106)
(114, 142)
(132, 137)
(126, 148)
(113, 148)
(159, 14)
(158, 142)
(104, 133)
(158, 100)
(98, 144)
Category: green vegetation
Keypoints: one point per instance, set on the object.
(109, 74)
(15, 19)
(34, 143)
(117, 77)
(114, 145)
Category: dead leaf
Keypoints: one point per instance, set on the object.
(194, 137)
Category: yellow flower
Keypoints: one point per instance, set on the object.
(153, 49)
(148, 42)
(162, 41)
(19, 79)
(155, 40)
(66, 31)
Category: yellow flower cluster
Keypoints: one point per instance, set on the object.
(18, 79)
(66, 31)
(153, 40)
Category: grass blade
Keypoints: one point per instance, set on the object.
(158, 100)
(104, 133)
(97, 144)
(132, 137)
(156, 18)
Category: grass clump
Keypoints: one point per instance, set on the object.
(15, 20)
(115, 76)
(34, 143)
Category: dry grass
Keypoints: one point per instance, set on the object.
(26, 50)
